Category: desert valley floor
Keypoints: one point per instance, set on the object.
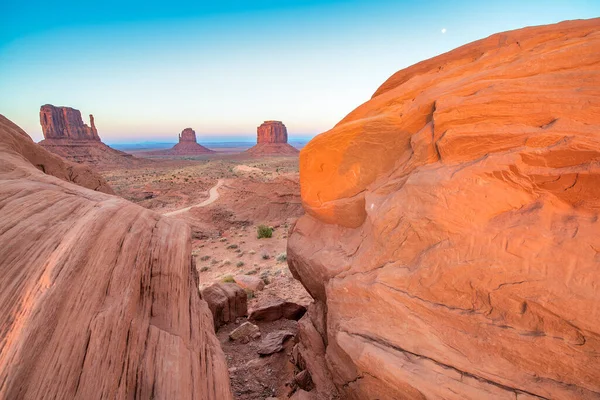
(251, 191)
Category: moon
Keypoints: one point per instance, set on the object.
(443, 30)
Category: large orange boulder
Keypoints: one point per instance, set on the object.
(451, 240)
(98, 296)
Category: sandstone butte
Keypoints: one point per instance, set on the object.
(451, 237)
(66, 135)
(187, 146)
(98, 296)
(272, 140)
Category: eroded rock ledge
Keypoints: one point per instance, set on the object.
(98, 296)
(451, 237)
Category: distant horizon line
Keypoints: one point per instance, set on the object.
(203, 139)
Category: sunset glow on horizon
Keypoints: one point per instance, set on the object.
(148, 70)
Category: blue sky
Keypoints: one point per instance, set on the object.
(146, 70)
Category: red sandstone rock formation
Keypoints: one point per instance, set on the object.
(13, 138)
(451, 240)
(187, 135)
(271, 132)
(66, 135)
(271, 139)
(66, 123)
(187, 145)
(98, 296)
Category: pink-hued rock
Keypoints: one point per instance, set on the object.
(14, 139)
(66, 123)
(451, 233)
(273, 342)
(276, 309)
(226, 301)
(98, 296)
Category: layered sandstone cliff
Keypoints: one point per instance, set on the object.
(451, 237)
(272, 139)
(66, 135)
(98, 296)
(66, 123)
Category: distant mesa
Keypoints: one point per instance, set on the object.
(272, 139)
(66, 135)
(187, 146)
(66, 123)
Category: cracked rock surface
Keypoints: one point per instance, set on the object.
(451, 237)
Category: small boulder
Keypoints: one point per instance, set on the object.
(249, 282)
(273, 342)
(277, 309)
(245, 332)
(226, 301)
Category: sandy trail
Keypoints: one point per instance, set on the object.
(213, 194)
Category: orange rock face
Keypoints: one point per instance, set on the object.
(451, 238)
(271, 140)
(98, 296)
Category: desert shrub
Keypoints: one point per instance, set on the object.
(204, 258)
(282, 257)
(265, 256)
(249, 294)
(228, 279)
(232, 246)
(251, 272)
(264, 231)
(265, 277)
(204, 269)
(240, 264)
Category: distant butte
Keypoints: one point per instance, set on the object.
(272, 139)
(66, 123)
(66, 135)
(187, 146)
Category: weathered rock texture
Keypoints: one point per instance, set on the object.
(226, 301)
(98, 296)
(452, 238)
(14, 139)
(66, 123)
(187, 145)
(66, 135)
(271, 132)
(271, 139)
